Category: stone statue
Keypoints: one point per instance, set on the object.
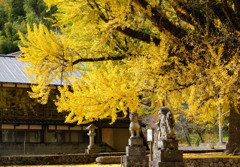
(135, 150)
(166, 124)
(134, 127)
(166, 151)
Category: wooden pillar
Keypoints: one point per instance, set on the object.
(43, 134)
(99, 132)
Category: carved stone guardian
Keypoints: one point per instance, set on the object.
(135, 151)
(166, 124)
(166, 130)
(166, 154)
(134, 127)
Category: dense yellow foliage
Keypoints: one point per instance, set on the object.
(93, 30)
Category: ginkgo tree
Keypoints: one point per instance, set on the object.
(184, 52)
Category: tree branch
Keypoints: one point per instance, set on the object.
(98, 59)
(231, 16)
(200, 21)
(139, 35)
(160, 20)
(237, 7)
(127, 31)
(182, 12)
(162, 23)
(218, 11)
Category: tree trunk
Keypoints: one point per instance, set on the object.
(233, 146)
(199, 132)
(188, 139)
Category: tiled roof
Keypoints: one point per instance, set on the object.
(12, 71)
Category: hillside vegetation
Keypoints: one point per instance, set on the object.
(14, 14)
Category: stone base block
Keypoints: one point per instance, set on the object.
(168, 155)
(92, 147)
(135, 150)
(135, 161)
(91, 151)
(135, 141)
(169, 143)
(166, 164)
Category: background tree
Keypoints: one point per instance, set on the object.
(183, 52)
(14, 14)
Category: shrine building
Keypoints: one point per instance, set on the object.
(27, 127)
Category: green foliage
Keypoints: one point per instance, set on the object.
(3, 16)
(9, 38)
(36, 12)
(209, 136)
(7, 46)
(14, 10)
(14, 14)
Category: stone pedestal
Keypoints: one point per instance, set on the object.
(168, 144)
(91, 150)
(167, 155)
(166, 164)
(135, 153)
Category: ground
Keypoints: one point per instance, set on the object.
(198, 155)
(90, 165)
